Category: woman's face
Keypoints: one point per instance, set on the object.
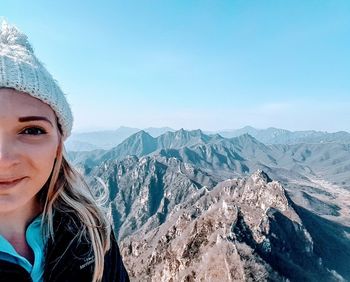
(28, 147)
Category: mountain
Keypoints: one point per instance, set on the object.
(107, 139)
(101, 139)
(159, 184)
(242, 230)
(228, 157)
(155, 131)
(111, 138)
(76, 146)
(144, 190)
(330, 161)
(282, 136)
(142, 143)
(181, 138)
(138, 144)
(315, 175)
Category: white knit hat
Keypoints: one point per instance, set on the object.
(21, 70)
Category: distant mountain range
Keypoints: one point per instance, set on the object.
(282, 136)
(183, 198)
(229, 157)
(108, 139)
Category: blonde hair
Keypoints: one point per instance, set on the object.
(67, 191)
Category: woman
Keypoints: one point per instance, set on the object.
(51, 227)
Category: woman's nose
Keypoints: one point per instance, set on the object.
(8, 152)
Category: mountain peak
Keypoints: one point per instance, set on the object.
(248, 127)
(260, 174)
(244, 139)
(142, 134)
(182, 138)
(217, 136)
(195, 131)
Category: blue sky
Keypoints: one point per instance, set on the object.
(195, 64)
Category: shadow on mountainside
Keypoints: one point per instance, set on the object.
(331, 241)
(288, 250)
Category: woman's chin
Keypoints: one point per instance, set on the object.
(13, 204)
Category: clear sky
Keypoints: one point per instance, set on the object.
(195, 64)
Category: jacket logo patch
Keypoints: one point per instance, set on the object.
(87, 262)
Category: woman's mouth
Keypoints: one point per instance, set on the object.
(5, 184)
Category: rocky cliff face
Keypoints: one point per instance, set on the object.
(185, 208)
(143, 191)
(244, 229)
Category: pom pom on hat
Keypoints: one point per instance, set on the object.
(21, 70)
(11, 36)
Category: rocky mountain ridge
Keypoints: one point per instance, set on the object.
(304, 170)
(151, 181)
(243, 230)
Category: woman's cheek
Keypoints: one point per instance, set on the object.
(42, 161)
(47, 153)
(42, 153)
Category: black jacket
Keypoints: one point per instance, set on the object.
(76, 263)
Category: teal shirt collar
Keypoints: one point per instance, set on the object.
(35, 241)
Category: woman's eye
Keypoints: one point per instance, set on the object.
(33, 131)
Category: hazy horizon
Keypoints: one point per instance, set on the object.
(97, 129)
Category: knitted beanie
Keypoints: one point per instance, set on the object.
(21, 70)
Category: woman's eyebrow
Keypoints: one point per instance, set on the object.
(33, 118)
